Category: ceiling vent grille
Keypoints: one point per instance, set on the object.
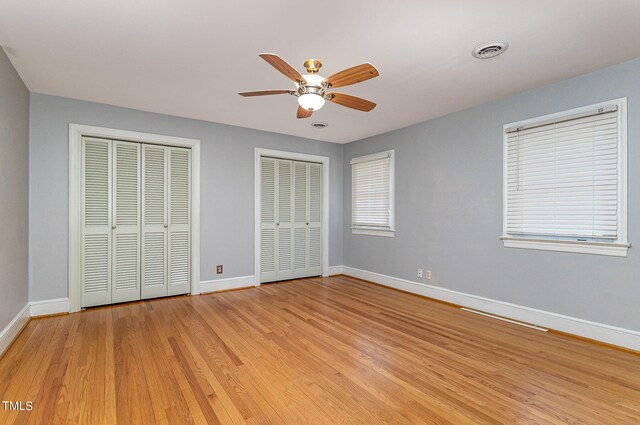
(489, 50)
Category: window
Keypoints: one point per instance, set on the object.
(372, 194)
(565, 181)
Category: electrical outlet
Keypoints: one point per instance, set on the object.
(420, 273)
(219, 269)
(428, 274)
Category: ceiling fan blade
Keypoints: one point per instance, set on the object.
(356, 74)
(303, 113)
(264, 92)
(278, 63)
(351, 102)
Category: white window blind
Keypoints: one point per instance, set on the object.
(562, 177)
(371, 191)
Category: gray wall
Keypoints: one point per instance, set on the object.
(448, 200)
(14, 192)
(449, 208)
(227, 186)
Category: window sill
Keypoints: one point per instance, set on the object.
(373, 232)
(596, 248)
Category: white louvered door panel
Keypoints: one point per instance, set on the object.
(314, 264)
(301, 219)
(154, 217)
(96, 222)
(179, 263)
(125, 268)
(267, 219)
(291, 219)
(284, 220)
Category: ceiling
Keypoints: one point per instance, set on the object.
(191, 58)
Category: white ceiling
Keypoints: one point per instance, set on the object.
(191, 58)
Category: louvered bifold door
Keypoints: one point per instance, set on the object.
(179, 262)
(314, 265)
(154, 221)
(267, 220)
(300, 219)
(96, 222)
(125, 250)
(284, 220)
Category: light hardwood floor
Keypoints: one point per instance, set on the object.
(314, 351)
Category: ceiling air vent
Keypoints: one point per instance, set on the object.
(319, 124)
(489, 50)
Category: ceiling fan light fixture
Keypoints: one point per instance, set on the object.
(311, 89)
(311, 101)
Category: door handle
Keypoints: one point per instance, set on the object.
(166, 225)
(277, 224)
(307, 223)
(113, 226)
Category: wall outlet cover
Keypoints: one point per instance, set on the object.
(219, 269)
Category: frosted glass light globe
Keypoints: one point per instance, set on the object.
(311, 102)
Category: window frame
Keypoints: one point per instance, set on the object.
(374, 231)
(617, 248)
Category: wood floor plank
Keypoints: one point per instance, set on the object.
(310, 351)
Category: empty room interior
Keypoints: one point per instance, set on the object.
(355, 212)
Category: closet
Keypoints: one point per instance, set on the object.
(136, 221)
(291, 219)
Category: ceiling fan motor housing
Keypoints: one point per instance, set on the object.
(307, 89)
(312, 84)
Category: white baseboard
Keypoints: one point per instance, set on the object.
(334, 270)
(621, 337)
(227, 284)
(11, 331)
(48, 307)
(626, 338)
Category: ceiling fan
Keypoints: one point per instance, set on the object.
(312, 90)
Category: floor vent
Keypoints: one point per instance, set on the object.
(515, 322)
